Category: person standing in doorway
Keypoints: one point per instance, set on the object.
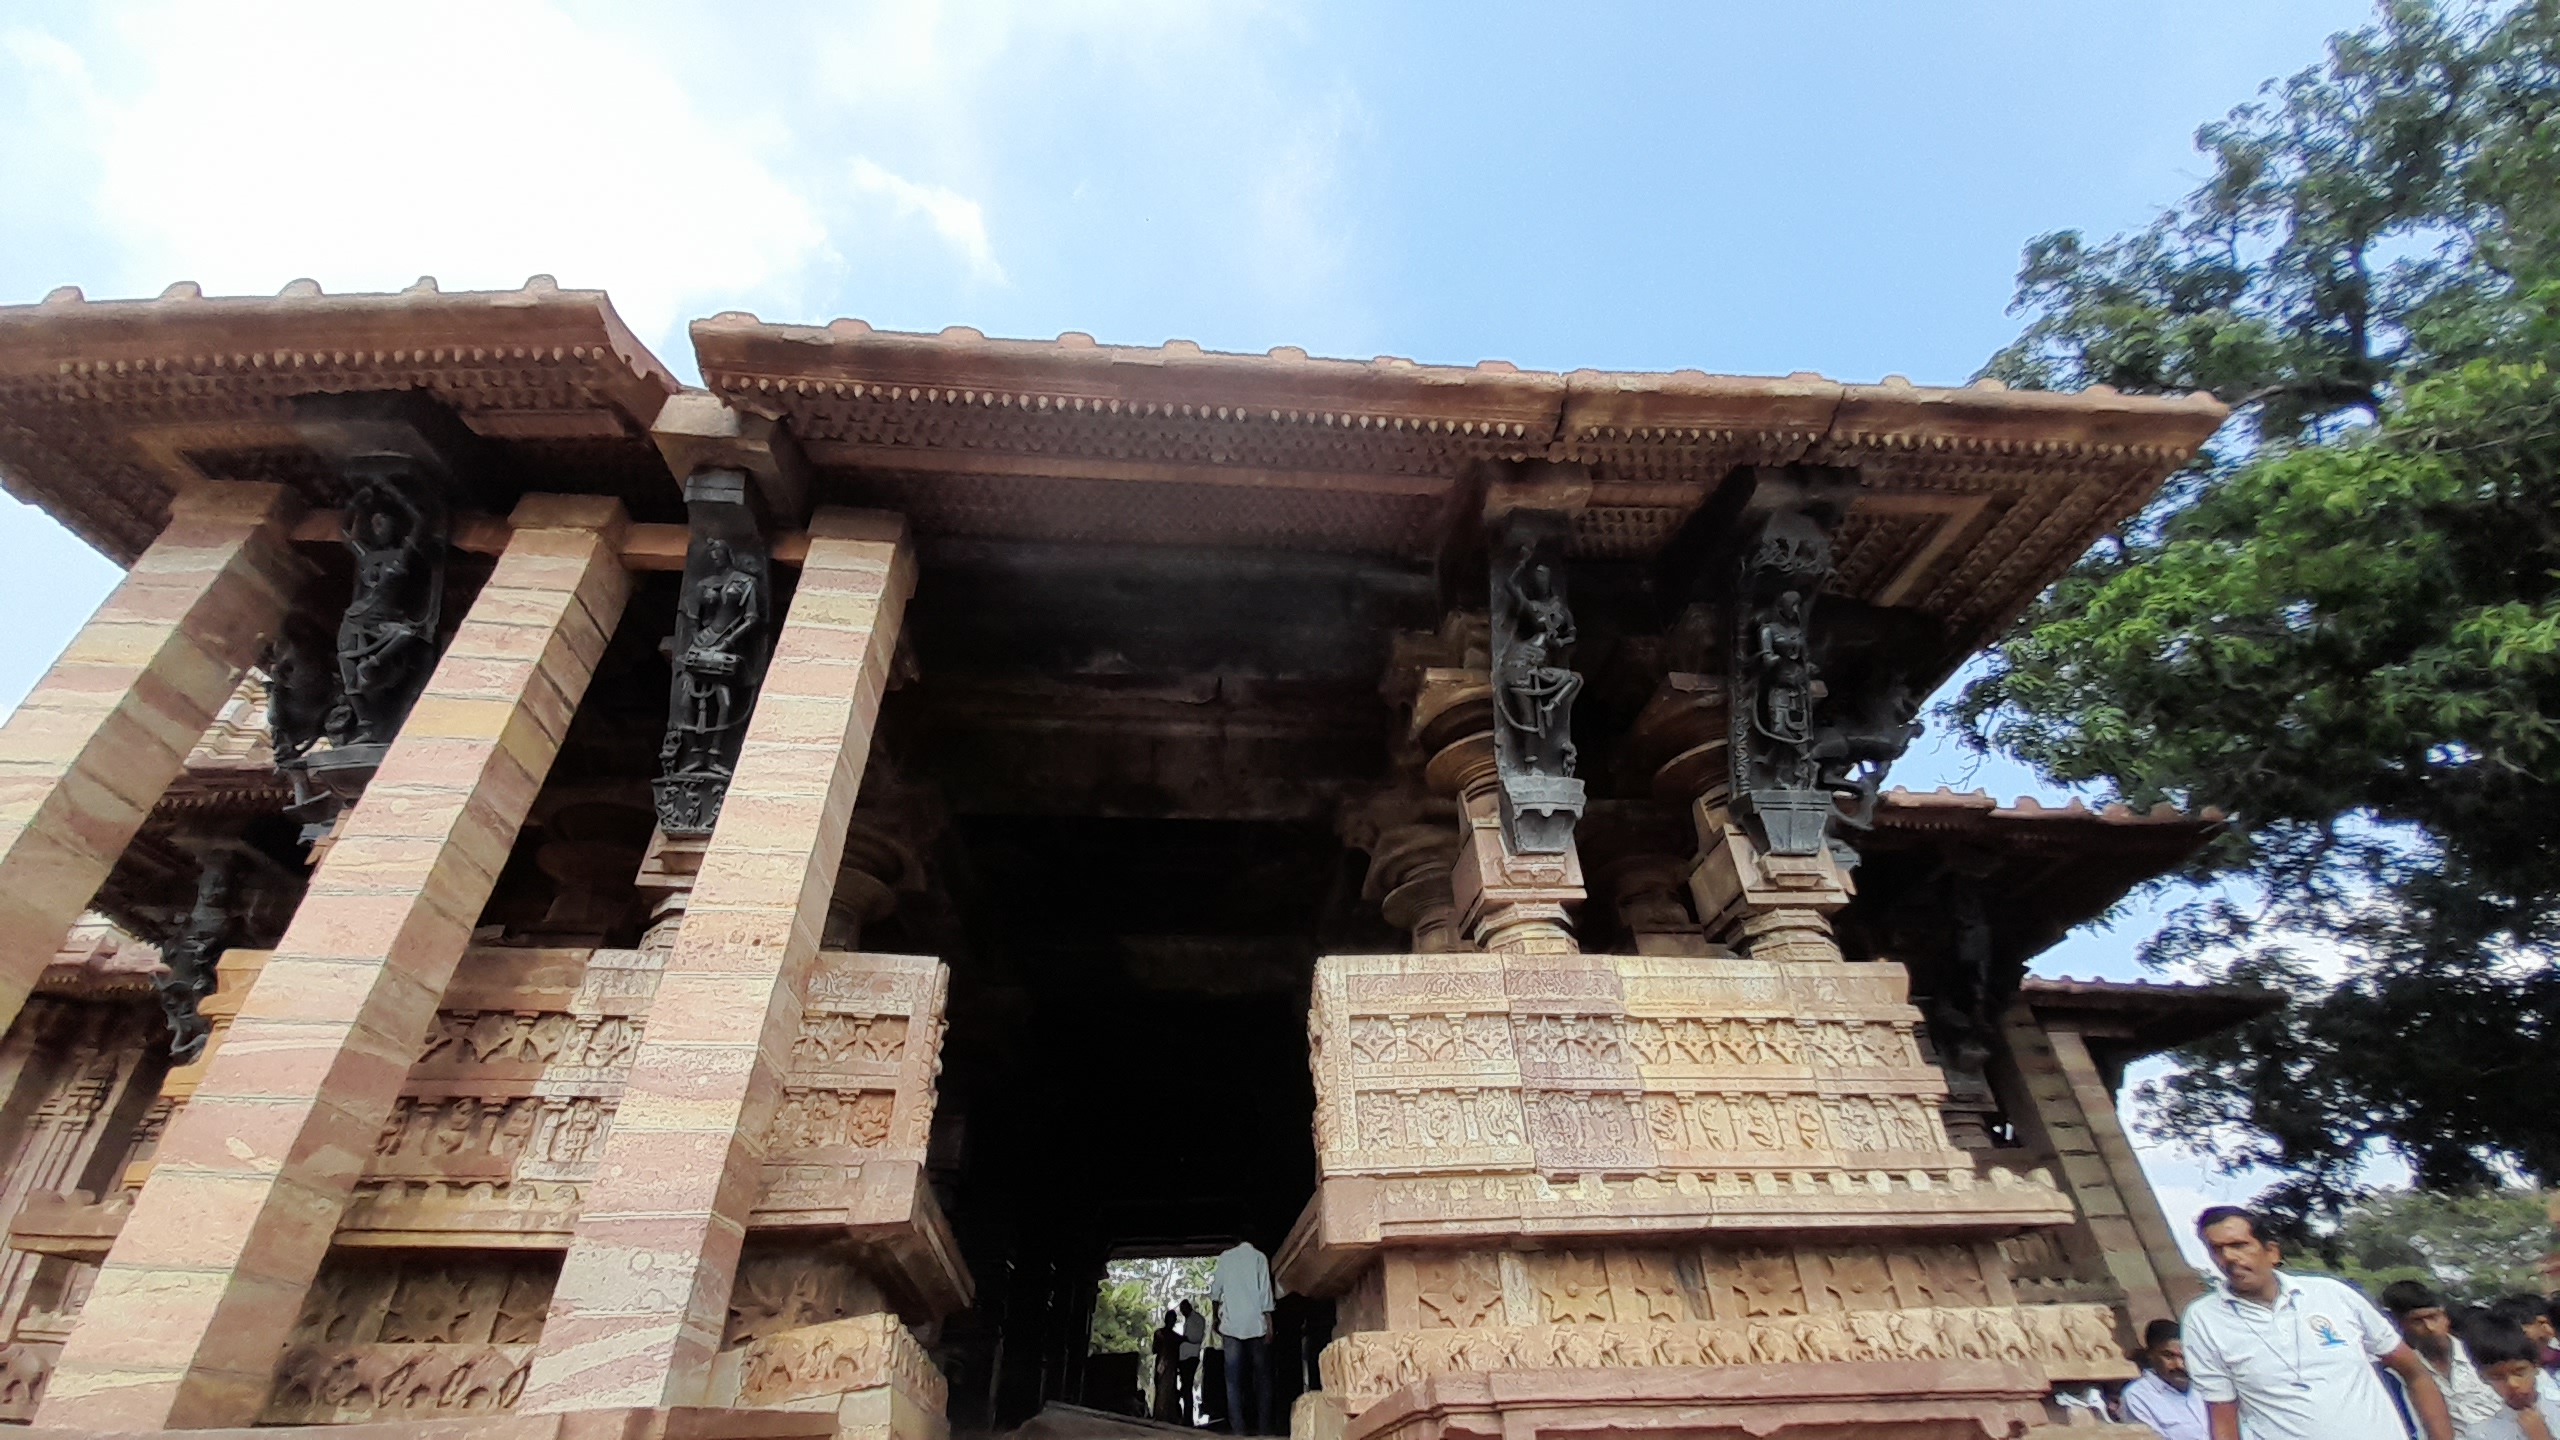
(1195, 1329)
(1240, 1300)
(2164, 1396)
(2291, 1357)
(1167, 1349)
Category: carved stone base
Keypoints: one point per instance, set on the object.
(866, 1372)
(1775, 906)
(1789, 936)
(689, 805)
(1907, 1400)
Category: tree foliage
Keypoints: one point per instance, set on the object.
(2342, 626)
(2472, 1247)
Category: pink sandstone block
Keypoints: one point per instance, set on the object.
(292, 1104)
(643, 1293)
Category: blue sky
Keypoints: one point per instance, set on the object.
(1738, 187)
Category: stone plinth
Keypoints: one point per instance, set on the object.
(1938, 1400)
(508, 1110)
(429, 1421)
(1552, 1167)
(867, 1372)
(1489, 1097)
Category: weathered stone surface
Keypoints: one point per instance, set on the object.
(1487, 1096)
(1938, 1400)
(644, 1291)
(108, 727)
(208, 1275)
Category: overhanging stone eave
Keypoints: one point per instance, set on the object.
(102, 402)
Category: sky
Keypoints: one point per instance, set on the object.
(1742, 188)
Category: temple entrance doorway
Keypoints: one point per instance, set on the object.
(1125, 1076)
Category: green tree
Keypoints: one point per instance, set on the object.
(1124, 1315)
(2342, 626)
(2472, 1246)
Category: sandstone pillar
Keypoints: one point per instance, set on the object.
(89, 751)
(205, 1282)
(644, 1291)
(2076, 1114)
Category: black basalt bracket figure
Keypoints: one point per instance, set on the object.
(1806, 759)
(723, 637)
(1775, 683)
(396, 529)
(1534, 683)
(192, 949)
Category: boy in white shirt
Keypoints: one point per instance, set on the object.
(2510, 1363)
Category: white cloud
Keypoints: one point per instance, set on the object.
(959, 220)
(244, 145)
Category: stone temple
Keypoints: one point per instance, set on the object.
(555, 902)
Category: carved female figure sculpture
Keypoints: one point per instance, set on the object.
(720, 613)
(386, 641)
(1537, 691)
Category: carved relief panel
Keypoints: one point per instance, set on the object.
(1670, 1093)
(422, 1336)
(513, 1096)
(860, 1091)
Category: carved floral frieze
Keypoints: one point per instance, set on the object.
(1651, 1064)
(2066, 1342)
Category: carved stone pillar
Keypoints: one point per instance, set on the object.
(1512, 903)
(876, 865)
(208, 1276)
(1769, 904)
(1410, 869)
(87, 754)
(643, 1298)
(1646, 889)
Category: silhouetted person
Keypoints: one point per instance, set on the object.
(1167, 1348)
(1195, 1329)
(1240, 1298)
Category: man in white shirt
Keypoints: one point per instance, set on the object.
(2163, 1396)
(2420, 1316)
(1240, 1298)
(1195, 1329)
(2290, 1357)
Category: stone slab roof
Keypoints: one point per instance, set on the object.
(1973, 498)
(2139, 1017)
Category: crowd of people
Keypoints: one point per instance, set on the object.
(2271, 1354)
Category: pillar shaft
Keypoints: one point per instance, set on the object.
(90, 749)
(644, 1291)
(2176, 1278)
(186, 1320)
